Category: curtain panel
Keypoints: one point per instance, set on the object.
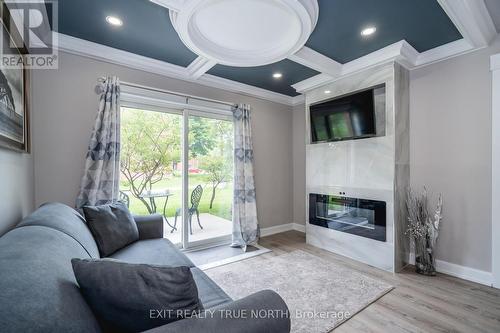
(100, 181)
(245, 224)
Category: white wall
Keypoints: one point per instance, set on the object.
(66, 107)
(450, 111)
(16, 187)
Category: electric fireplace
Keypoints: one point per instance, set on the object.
(362, 217)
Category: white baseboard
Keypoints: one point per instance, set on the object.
(462, 272)
(466, 273)
(282, 228)
(299, 227)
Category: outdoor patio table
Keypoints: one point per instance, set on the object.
(152, 195)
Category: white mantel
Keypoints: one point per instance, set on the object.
(375, 168)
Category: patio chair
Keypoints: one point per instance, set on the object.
(195, 201)
(125, 198)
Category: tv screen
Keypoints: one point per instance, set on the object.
(345, 118)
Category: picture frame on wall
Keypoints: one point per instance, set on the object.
(14, 92)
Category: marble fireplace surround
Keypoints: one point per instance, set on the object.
(374, 168)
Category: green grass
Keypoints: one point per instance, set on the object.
(221, 207)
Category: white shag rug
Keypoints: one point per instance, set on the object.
(320, 294)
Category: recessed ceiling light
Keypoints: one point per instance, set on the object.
(368, 31)
(113, 20)
(327, 91)
(277, 75)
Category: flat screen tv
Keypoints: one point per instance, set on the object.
(345, 118)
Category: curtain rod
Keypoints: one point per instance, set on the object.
(134, 85)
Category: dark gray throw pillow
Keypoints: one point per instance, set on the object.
(136, 297)
(112, 226)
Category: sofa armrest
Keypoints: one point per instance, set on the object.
(262, 312)
(150, 226)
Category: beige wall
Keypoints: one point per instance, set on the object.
(16, 194)
(66, 107)
(450, 111)
(299, 164)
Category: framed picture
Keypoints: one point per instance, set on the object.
(14, 92)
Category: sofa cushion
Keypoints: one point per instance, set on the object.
(38, 290)
(210, 293)
(112, 225)
(124, 295)
(154, 252)
(67, 220)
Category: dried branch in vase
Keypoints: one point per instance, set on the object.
(423, 229)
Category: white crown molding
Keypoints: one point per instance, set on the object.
(297, 100)
(108, 54)
(244, 89)
(472, 19)
(200, 66)
(174, 5)
(97, 51)
(317, 61)
(401, 51)
(444, 52)
(312, 82)
(396, 51)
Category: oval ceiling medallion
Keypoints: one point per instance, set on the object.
(245, 33)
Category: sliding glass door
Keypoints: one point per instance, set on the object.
(150, 162)
(210, 175)
(179, 163)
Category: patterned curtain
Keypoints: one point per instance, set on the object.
(100, 182)
(245, 225)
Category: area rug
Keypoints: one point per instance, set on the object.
(320, 294)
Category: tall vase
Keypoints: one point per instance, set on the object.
(425, 262)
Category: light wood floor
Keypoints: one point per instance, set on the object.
(417, 304)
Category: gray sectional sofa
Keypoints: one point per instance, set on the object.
(39, 293)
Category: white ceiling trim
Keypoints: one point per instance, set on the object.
(174, 5)
(300, 99)
(244, 89)
(313, 82)
(200, 66)
(317, 61)
(444, 52)
(100, 52)
(401, 51)
(396, 51)
(472, 19)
